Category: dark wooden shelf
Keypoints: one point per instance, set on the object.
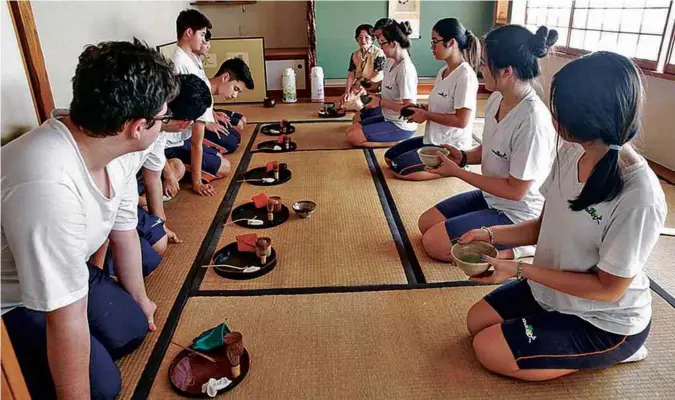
(222, 3)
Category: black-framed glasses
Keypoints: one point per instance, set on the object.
(383, 43)
(165, 119)
(433, 41)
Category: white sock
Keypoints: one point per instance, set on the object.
(639, 355)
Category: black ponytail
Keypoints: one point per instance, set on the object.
(398, 32)
(599, 97)
(451, 28)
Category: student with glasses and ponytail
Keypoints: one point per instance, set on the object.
(378, 124)
(585, 301)
(452, 102)
(516, 154)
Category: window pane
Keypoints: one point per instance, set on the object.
(608, 41)
(562, 37)
(581, 3)
(635, 3)
(552, 18)
(580, 18)
(627, 44)
(577, 39)
(611, 20)
(648, 47)
(541, 18)
(630, 20)
(532, 28)
(658, 3)
(591, 41)
(564, 17)
(595, 19)
(654, 21)
(532, 14)
(600, 3)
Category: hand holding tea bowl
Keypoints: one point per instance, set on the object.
(502, 269)
(448, 167)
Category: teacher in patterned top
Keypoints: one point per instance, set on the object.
(365, 64)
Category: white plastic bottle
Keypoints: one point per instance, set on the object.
(317, 85)
(289, 93)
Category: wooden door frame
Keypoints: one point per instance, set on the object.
(22, 17)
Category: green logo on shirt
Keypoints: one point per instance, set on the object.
(594, 214)
(499, 154)
(529, 331)
(388, 87)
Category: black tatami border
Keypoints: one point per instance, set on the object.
(411, 265)
(194, 277)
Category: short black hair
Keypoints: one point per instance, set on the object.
(191, 19)
(208, 35)
(364, 27)
(116, 82)
(193, 98)
(238, 71)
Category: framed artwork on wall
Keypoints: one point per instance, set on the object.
(251, 50)
(406, 10)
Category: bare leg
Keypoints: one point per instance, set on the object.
(225, 168)
(436, 243)
(430, 218)
(480, 316)
(418, 176)
(494, 354)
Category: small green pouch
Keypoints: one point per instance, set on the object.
(211, 339)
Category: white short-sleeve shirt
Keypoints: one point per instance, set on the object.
(456, 91)
(521, 145)
(399, 82)
(184, 63)
(54, 217)
(615, 236)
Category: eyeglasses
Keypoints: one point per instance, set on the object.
(383, 43)
(166, 118)
(433, 42)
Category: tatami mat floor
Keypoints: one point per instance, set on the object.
(334, 318)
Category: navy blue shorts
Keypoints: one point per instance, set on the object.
(225, 144)
(117, 326)
(469, 210)
(404, 158)
(542, 339)
(210, 159)
(150, 230)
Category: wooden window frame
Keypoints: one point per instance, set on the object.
(669, 67)
(645, 65)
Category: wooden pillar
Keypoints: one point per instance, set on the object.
(21, 13)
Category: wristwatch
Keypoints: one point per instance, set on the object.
(519, 271)
(462, 162)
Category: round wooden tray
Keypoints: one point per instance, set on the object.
(231, 256)
(189, 371)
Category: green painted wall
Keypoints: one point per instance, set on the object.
(336, 21)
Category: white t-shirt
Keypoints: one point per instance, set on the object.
(176, 139)
(54, 217)
(153, 157)
(458, 90)
(521, 145)
(184, 63)
(616, 236)
(399, 83)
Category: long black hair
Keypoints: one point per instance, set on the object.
(515, 46)
(451, 28)
(398, 32)
(599, 97)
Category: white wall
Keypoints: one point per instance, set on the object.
(17, 112)
(657, 141)
(66, 27)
